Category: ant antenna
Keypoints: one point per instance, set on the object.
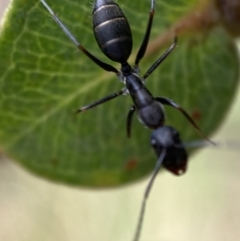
(146, 194)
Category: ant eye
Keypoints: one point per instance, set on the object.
(153, 142)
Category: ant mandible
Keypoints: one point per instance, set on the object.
(114, 37)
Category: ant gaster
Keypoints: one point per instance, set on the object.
(114, 37)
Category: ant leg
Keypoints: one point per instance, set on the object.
(129, 120)
(101, 101)
(97, 61)
(166, 101)
(144, 44)
(161, 59)
(146, 194)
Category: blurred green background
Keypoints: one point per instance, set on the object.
(204, 204)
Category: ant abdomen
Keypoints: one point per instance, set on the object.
(112, 30)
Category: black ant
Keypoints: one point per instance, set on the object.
(114, 37)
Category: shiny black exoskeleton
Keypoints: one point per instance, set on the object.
(114, 37)
(167, 138)
(112, 30)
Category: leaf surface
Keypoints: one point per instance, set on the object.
(43, 79)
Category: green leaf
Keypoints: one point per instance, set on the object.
(43, 78)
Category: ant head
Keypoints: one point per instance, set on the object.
(175, 159)
(165, 136)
